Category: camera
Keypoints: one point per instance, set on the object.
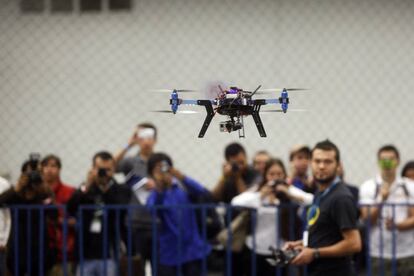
(229, 126)
(34, 175)
(280, 195)
(102, 172)
(165, 167)
(282, 257)
(234, 167)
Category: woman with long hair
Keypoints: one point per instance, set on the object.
(276, 219)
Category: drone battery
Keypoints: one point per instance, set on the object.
(231, 95)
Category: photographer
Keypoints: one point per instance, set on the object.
(30, 190)
(51, 166)
(237, 176)
(134, 168)
(299, 161)
(178, 230)
(273, 190)
(385, 210)
(331, 235)
(100, 189)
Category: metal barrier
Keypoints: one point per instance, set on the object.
(29, 244)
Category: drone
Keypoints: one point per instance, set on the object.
(235, 103)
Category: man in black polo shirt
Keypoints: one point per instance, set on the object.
(331, 235)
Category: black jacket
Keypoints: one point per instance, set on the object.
(29, 236)
(90, 239)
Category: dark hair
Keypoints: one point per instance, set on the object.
(269, 164)
(262, 152)
(306, 150)
(388, 148)
(51, 157)
(408, 166)
(232, 150)
(327, 145)
(156, 158)
(104, 155)
(149, 125)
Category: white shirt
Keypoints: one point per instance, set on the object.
(404, 239)
(5, 218)
(267, 230)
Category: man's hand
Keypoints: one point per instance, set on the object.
(133, 140)
(150, 185)
(90, 180)
(227, 169)
(305, 256)
(22, 182)
(384, 191)
(176, 173)
(293, 245)
(389, 224)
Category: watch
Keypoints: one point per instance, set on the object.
(316, 253)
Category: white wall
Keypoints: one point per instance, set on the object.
(73, 84)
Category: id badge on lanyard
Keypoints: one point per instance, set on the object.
(96, 223)
(96, 226)
(305, 239)
(314, 212)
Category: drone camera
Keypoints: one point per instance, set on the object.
(223, 127)
(229, 126)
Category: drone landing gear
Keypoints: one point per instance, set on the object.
(241, 131)
(209, 117)
(258, 121)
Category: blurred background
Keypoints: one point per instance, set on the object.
(76, 76)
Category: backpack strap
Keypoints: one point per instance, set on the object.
(406, 192)
(403, 186)
(377, 188)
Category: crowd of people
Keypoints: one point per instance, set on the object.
(47, 227)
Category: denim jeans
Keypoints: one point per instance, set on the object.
(96, 268)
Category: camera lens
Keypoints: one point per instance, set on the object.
(102, 172)
(34, 178)
(234, 167)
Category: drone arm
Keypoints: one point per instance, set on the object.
(272, 101)
(210, 114)
(189, 102)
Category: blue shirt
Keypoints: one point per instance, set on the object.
(178, 220)
(297, 182)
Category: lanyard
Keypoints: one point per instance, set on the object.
(313, 212)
